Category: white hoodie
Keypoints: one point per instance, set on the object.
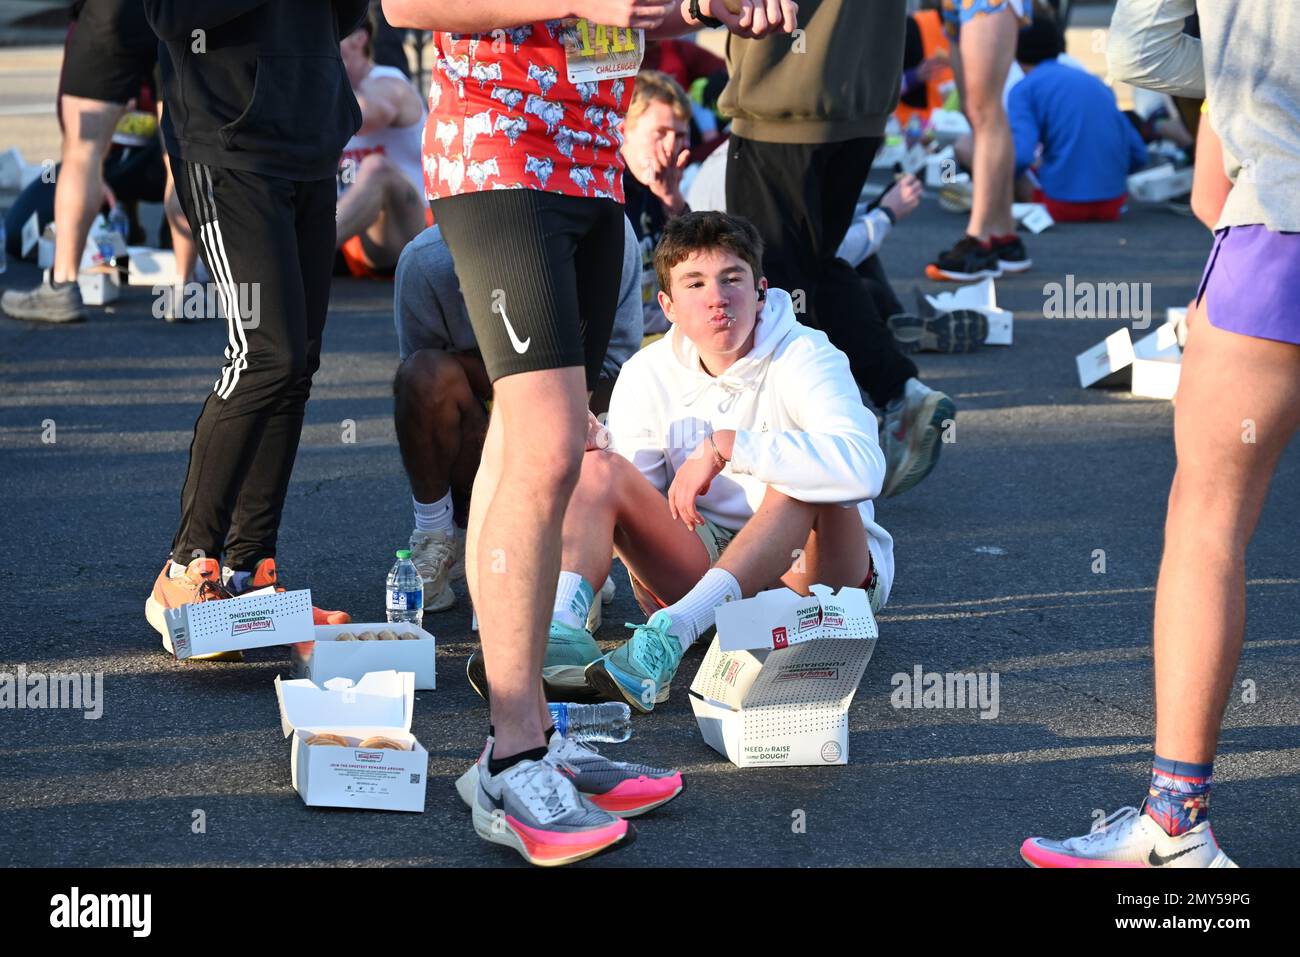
(799, 420)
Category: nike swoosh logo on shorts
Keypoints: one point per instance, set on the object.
(520, 347)
(1157, 861)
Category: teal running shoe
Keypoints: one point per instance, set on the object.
(641, 670)
(568, 652)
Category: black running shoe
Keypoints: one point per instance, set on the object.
(969, 259)
(1012, 254)
(962, 330)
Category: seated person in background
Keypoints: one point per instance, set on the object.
(440, 392)
(381, 203)
(742, 459)
(655, 136)
(1088, 146)
(692, 67)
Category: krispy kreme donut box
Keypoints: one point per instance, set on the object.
(775, 685)
(352, 650)
(337, 771)
(258, 619)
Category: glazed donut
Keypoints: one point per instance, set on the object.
(379, 741)
(334, 740)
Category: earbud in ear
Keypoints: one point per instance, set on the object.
(762, 295)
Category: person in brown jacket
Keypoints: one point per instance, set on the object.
(808, 115)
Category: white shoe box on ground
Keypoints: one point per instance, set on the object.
(1108, 362)
(1155, 378)
(982, 296)
(327, 658)
(151, 267)
(1033, 216)
(775, 686)
(381, 703)
(1160, 183)
(1111, 362)
(99, 286)
(257, 620)
(1157, 364)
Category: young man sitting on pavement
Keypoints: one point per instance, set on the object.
(440, 392)
(742, 459)
(381, 203)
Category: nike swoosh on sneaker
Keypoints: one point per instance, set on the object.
(520, 346)
(1157, 861)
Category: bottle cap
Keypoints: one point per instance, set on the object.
(403, 553)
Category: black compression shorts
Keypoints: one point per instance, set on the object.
(540, 273)
(110, 52)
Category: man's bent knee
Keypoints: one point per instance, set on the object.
(429, 374)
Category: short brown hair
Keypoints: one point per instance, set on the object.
(691, 233)
(653, 86)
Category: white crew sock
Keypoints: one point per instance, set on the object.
(572, 600)
(913, 388)
(693, 615)
(435, 517)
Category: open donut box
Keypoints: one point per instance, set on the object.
(327, 657)
(326, 775)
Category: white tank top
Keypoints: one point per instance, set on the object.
(401, 144)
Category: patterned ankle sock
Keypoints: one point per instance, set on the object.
(1179, 798)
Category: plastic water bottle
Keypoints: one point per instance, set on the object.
(609, 721)
(404, 596)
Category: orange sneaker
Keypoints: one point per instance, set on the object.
(201, 582)
(264, 575)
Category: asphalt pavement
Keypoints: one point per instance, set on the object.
(997, 573)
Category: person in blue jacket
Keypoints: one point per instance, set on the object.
(1088, 147)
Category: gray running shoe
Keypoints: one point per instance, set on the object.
(912, 436)
(46, 303)
(534, 808)
(622, 789)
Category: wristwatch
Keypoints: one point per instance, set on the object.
(701, 18)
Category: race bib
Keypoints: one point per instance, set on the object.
(594, 52)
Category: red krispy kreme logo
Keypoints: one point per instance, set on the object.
(374, 756)
(252, 624)
(779, 637)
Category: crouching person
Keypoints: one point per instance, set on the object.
(740, 458)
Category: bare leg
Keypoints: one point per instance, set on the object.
(1228, 382)
(79, 192)
(440, 424)
(988, 45)
(614, 503)
(383, 208)
(798, 543)
(514, 539)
